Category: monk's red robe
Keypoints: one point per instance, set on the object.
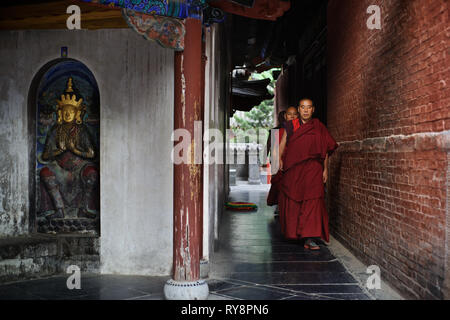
(272, 197)
(301, 198)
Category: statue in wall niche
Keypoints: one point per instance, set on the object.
(70, 177)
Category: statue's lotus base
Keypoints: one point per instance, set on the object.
(184, 290)
(68, 225)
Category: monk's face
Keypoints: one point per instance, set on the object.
(291, 114)
(69, 113)
(306, 109)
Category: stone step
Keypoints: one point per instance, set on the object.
(27, 247)
(37, 255)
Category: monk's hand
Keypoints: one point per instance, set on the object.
(325, 176)
(281, 164)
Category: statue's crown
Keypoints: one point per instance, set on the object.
(67, 99)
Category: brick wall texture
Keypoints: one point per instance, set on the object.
(388, 108)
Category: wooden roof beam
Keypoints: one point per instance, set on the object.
(52, 15)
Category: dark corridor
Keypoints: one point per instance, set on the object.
(296, 42)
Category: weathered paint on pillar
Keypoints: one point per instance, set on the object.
(187, 196)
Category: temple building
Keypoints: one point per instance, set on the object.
(97, 98)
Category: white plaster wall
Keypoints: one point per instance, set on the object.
(135, 79)
(208, 169)
(15, 78)
(136, 171)
(213, 188)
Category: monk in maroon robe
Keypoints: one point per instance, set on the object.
(304, 148)
(290, 114)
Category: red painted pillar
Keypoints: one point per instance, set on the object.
(188, 184)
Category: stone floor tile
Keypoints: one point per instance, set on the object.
(252, 250)
(294, 277)
(253, 262)
(253, 293)
(217, 285)
(323, 288)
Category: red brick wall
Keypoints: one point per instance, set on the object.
(388, 107)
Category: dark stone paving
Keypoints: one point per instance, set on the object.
(93, 287)
(255, 262)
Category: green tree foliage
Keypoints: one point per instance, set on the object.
(259, 117)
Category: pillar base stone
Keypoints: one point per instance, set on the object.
(186, 290)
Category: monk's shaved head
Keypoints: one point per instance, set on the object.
(301, 102)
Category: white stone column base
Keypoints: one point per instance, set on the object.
(186, 290)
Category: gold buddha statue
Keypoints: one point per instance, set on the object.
(69, 179)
